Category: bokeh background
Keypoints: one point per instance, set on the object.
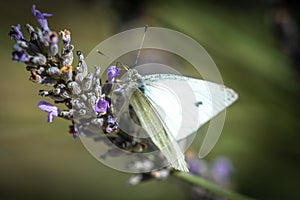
(255, 45)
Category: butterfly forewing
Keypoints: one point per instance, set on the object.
(157, 130)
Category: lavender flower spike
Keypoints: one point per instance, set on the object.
(112, 72)
(41, 18)
(16, 33)
(50, 109)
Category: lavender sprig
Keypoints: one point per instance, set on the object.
(79, 90)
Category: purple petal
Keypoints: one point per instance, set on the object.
(48, 107)
(50, 117)
(41, 18)
(51, 109)
(222, 169)
(16, 33)
(66, 36)
(53, 38)
(17, 47)
(101, 105)
(112, 72)
(73, 131)
(19, 55)
(47, 15)
(110, 120)
(194, 167)
(112, 124)
(108, 129)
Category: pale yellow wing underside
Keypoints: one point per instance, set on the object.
(159, 133)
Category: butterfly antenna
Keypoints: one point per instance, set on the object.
(117, 63)
(140, 49)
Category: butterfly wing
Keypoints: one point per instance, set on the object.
(159, 133)
(184, 103)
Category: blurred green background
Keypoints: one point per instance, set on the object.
(40, 160)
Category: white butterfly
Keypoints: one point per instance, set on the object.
(172, 107)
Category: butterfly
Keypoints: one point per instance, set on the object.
(171, 107)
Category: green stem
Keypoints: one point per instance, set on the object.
(196, 180)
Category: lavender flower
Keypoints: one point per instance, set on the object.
(32, 32)
(41, 18)
(91, 98)
(50, 109)
(53, 72)
(41, 38)
(19, 54)
(112, 124)
(101, 105)
(222, 170)
(82, 68)
(67, 55)
(39, 59)
(74, 87)
(196, 165)
(112, 72)
(66, 37)
(110, 119)
(87, 82)
(73, 131)
(53, 40)
(16, 33)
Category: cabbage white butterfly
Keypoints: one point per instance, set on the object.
(172, 107)
(167, 108)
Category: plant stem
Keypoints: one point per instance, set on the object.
(196, 180)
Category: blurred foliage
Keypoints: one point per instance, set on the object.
(41, 161)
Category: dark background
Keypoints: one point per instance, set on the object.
(255, 46)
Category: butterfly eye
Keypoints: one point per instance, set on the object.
(144, 145)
